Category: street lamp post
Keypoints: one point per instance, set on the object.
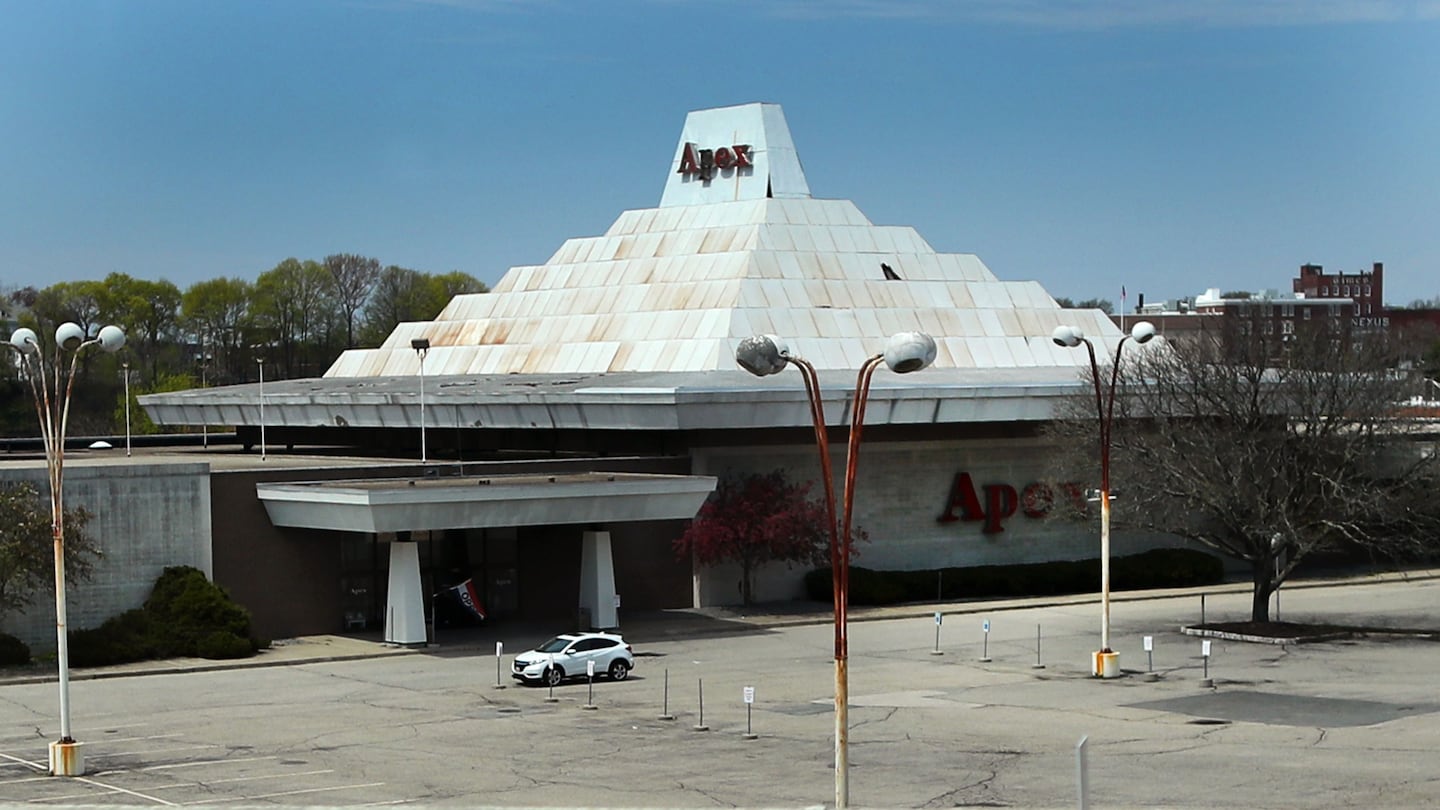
(1105, 662)
(125, 366)
(763, 355)
(204, 383)
(260, 364)
(52, 406)
(422, 347)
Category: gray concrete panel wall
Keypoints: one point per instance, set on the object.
(902, 490)
(144, 517)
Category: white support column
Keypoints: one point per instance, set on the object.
(405, 602)
(597, 580)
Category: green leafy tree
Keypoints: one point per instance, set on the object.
(402, 295)
(27, 546)
(758, 519)
(149, 313)
(456, 283)
(217, 315)
(74, 301)
(293, 304)
(140, 423)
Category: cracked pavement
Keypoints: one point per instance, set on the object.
(1282, 728)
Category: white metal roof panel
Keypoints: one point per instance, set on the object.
(683, 273)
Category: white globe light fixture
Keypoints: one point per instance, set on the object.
(762, 355)
(25, 341)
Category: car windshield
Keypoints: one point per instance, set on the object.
(554, 645)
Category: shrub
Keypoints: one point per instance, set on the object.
(218, 644)
(13, 651)
(120, 640)
(186, 607)
(186, 615)
(1166, 568)
(1157, 568)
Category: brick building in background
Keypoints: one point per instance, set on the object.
(1367, 290)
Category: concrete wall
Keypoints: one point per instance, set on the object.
(144, 517)
(902, 489)
(289, 579)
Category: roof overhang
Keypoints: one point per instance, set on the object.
(731, 400)
(470, 502)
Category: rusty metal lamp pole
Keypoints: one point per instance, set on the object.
(52, 406)
(763, 355)
(1105, 662)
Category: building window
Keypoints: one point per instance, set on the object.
(1367, 290)
(1324, 292)
(1288, 327)
(1289, 310)
(1306, 313)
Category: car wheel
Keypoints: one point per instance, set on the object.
(619, 670)
(553, 676)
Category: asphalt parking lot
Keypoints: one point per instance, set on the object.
(1348, 722)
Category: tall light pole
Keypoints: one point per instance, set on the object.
(52, 406)
(125, 366)
(421, 347)
(763, 355)
(204, 383)
(1106, 662)
(260, 363)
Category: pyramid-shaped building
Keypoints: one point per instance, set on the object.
(616, 356)
(737, 247)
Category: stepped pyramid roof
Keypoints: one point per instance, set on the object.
(736, 247)
(636, 329)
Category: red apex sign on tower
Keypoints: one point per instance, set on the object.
(704, 162)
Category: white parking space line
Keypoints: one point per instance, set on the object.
(384, 804)
(255, 778)
(107, 788)
(12, 761)
(41, 778)
(194, 763)
(147, 752)
(283, 793)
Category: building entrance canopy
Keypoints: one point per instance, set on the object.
(470, 502)
(477, 502)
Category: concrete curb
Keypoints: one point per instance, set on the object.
(706, 623)
(1283, 642)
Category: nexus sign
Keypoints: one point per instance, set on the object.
(991, 504)
(704, 162)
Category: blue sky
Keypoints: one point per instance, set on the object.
(1164, 145)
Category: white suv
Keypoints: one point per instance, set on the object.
(567, 656)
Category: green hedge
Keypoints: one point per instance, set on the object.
(1157, 568)
(186, 616)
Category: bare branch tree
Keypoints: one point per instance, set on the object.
(354, 277)
(1267, 450)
